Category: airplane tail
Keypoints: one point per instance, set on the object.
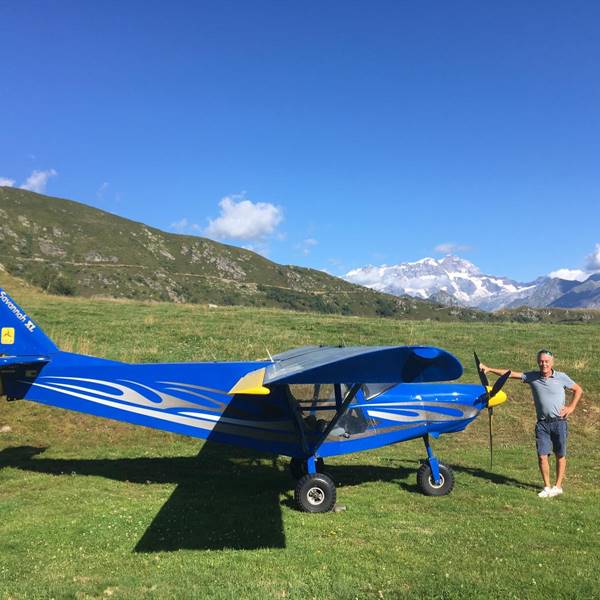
(20, 335)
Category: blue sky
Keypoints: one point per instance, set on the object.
(324, 134)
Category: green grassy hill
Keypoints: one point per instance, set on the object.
(91, 508)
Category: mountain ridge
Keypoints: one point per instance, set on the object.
(455, 281)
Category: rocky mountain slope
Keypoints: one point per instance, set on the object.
(583, 295)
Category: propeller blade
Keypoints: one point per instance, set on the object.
(482, 376)
(499, 383)
(490, 415)
(490, 392)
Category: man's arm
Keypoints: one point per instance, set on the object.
(513, 374)
(577, 393)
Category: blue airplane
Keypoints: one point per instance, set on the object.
(307, 403)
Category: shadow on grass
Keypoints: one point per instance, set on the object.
(495, 477)
(225, 497)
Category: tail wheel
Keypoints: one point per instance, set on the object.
(427, 484)
(315, 493)
(298, 467)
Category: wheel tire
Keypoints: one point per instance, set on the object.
(315, 493)
(298, 467)
(428, 486)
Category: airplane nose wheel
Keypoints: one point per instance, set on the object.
(426, 481)
(315, 493)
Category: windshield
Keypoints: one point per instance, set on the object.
(372, 390)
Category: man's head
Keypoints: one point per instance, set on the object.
(545, 361)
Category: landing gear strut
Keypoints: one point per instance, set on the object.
(433, 477)
(299, 467)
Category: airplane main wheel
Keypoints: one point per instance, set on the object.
(315, 493)
(427, 484)
(298, 467)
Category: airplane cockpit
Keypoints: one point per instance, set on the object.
(316, 404)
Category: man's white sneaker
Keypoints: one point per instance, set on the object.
(546, 493)
(556, 491)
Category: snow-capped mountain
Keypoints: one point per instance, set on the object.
(453, 280)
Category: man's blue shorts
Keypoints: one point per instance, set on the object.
(551, 436)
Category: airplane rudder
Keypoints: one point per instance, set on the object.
(19, 334)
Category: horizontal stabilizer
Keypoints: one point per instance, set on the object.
(11, 362)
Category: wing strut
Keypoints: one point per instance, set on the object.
(315, 398)
(298, 421)
(340, 410)
(338, 396)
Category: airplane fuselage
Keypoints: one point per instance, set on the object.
(193, 399)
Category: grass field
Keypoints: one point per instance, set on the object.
(91, 508)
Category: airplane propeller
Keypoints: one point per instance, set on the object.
(492, 398)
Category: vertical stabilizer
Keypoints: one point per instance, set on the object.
(20, 335)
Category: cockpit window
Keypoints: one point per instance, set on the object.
(372, 390)
(317, 406)
(310, 392)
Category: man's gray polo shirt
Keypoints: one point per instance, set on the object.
(548, 392)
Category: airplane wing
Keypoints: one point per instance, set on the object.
(354, 364)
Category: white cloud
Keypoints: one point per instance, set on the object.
(593, 259)
(4, 181)
(181, 225)
(305, 246)
(37, 181)
(570, 274)
(451, 248)
(185, 226)
(244, 220)
(101, 190)
(592, 265)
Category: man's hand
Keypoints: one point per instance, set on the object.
(484, 368)
(577, 393)
(566, 411)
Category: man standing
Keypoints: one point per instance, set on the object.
(551, 430)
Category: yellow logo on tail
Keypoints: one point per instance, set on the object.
(8, 335)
